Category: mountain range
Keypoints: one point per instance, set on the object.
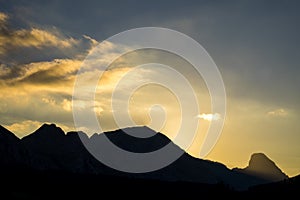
(61, 157)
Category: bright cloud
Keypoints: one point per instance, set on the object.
(66, 105)
(98, 108)
(209, 117)
(278, 113)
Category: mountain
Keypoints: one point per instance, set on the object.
(9, 147)
(50, 150)
(130, 139)
(262, 166)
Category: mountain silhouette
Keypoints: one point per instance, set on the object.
(50, 152)
(9, 148)
(130, 139)
(262, 166)
(50, 148)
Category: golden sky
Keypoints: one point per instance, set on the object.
(39, 65)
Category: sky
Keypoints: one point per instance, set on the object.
(255, 45)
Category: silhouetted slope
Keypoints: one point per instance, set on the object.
(49, 148)
(261, 166)
(137, 144)
(9, 147)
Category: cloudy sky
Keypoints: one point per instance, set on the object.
(255, 45)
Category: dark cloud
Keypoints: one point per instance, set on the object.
(53, 74)
(45, 77)
(34, 44)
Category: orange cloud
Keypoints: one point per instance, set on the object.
(40, 73)
(39, 38)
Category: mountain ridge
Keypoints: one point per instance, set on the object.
(49, 148)
(262, 166)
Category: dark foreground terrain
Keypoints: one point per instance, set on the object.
(32, 184)
(49, 164)
(52, 185)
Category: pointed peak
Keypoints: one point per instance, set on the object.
(261, 159)
(49, 130)
(259, 163)
(259, 155)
